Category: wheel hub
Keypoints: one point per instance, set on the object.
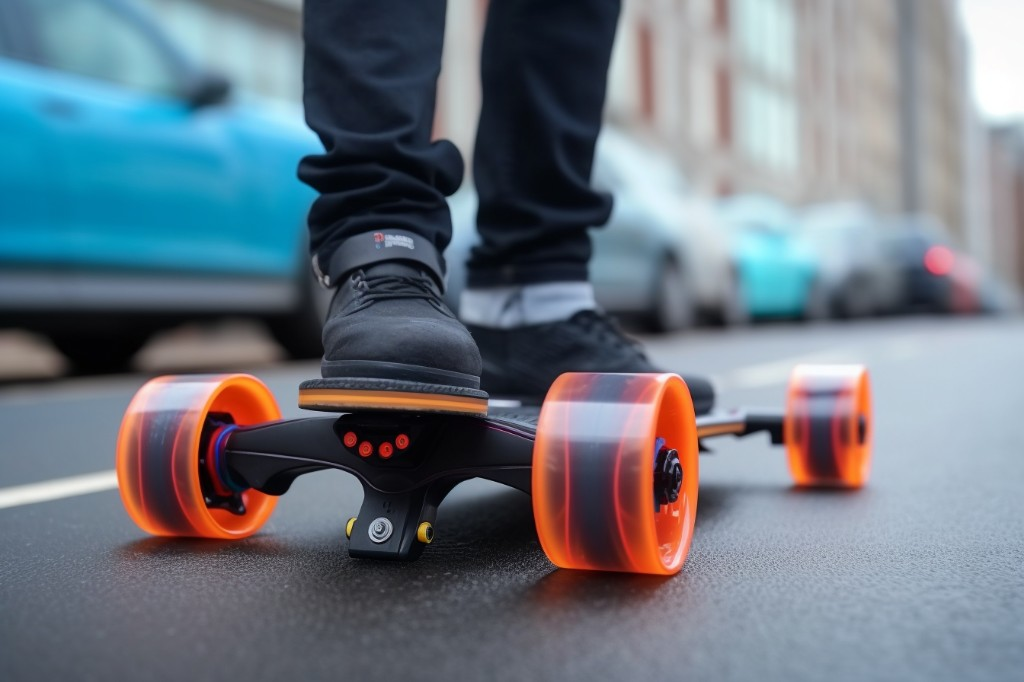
(668, 477)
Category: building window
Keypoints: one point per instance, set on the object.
(766, 125)
(767, 36)
(764, 89)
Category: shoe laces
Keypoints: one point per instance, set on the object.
(607, 330)
(386, 287)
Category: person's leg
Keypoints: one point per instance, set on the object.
(370, 80)
(528, 302)
(544, 69)
(381, 221)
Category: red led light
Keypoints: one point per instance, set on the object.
(350, 439)
(402, 441)
(386, 450)
(365, 449)
(938, 260)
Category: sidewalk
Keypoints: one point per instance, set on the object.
(29, 357)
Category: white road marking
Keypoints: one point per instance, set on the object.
(57, 489)
(776, 372)
(70, 390)
(904, 348)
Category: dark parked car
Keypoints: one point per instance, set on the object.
(858, 277)
(920, 248)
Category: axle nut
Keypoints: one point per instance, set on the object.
(380, 529)
(668, 477)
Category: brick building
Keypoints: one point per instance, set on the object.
(1006, 158)
(809, 100)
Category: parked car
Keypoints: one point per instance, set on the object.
(919, 247)
(646, 181)
(646, 263)
(997, 296)
(137, 191)
(968, 280)
(778, 272)
(858, 277)
(634, 268)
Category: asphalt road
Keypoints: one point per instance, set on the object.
(920, 576)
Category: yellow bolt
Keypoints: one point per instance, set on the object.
(349, 526)
(425, 533)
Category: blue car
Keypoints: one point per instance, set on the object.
(778, 272)
(136, 192)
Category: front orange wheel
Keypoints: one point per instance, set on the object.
(615, 472)
(167, 435)
(827, 427)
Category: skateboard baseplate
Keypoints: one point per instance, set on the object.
(610, 460)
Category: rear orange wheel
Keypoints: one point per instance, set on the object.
(827, 426)
(615, 472)
(165, 452)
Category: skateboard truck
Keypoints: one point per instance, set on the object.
(404, 489)
(401, 491)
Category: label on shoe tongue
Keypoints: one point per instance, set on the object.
(386, 240)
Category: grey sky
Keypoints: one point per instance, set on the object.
(997, 54)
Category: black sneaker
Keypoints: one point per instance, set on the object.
(522, 362)
(389, 330)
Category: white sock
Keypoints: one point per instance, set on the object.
(521, 305)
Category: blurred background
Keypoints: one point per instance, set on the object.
(770, 159)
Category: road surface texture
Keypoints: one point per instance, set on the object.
(920, 576)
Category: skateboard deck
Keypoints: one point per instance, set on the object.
(348, 395)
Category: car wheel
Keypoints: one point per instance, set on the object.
(816, 306)
(673, 303)
(99, 354)
(299, 332)
(856, 299)
(733, 310)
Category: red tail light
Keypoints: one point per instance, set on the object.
(938, 260)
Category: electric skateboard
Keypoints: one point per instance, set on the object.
(610, 460)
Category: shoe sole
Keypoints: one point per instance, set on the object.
(350, 394)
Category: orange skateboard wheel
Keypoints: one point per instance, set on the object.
(827, 426)
(158, 454)
(598, 500)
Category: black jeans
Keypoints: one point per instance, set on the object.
(370, 86)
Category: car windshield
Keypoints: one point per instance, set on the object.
(747, 212)
(829, 231)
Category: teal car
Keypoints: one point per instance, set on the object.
(138, 191)
(779, 273)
